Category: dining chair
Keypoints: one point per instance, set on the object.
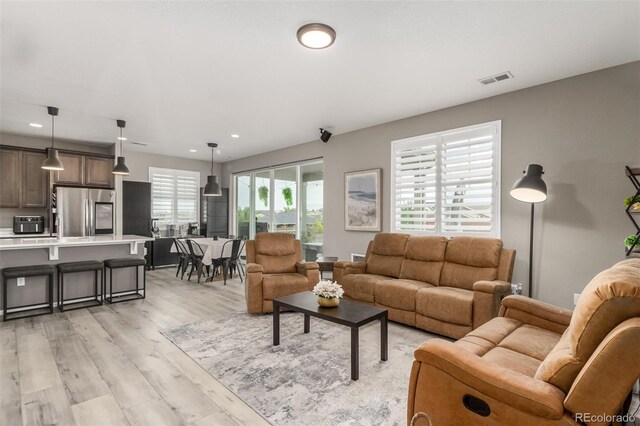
(184, 257)
(226, 263)
(196, 255)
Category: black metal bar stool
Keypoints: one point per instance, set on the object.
(125, 262)
(26, 271)
(74, 267)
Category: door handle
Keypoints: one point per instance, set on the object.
(476, 405)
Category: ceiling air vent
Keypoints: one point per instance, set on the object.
(496, 78)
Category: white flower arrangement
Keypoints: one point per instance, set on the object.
(328, 290)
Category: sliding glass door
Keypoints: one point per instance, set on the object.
(283, 199)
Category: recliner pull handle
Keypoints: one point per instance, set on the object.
(476, 405)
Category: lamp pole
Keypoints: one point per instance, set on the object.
(531, 251)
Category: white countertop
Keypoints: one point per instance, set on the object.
(49, 242)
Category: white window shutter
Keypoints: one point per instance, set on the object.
(175, 195)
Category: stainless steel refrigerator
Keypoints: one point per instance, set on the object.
(84, 212)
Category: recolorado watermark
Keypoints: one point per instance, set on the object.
(604, 418)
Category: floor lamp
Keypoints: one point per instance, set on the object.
(530, 188)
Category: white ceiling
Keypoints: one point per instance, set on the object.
(186, 73)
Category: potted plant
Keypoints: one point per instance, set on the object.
(632, 240)
(263, 194)
(287, 194)
(629, 200)
(329, 293)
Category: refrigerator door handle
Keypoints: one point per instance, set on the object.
(87, 221)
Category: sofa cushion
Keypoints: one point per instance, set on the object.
(278, 285)
(424, 258)
(361, 286)
(453, 305)
(387, 254)
(514, 361)
(277, 264)
(275, 244)
(611, 297)
(399, 294)
(470, 259)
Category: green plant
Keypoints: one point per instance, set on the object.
(631, 240)
(629, 199)
(263, 195)
(287, 194)
(243, 214)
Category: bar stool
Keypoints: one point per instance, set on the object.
(26, 271)
(74, 267)
(125, 262)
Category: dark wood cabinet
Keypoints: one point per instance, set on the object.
(73, 173)
(218, 214)
(136, 218)
(10, 177)
(35, 180)
(98, 171)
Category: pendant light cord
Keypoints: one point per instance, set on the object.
(121, 144)
(52, 131)
(212, 149)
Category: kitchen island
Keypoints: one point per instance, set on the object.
(51, 251)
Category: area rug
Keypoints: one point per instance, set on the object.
(306, 380)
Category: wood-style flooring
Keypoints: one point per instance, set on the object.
(110, 365)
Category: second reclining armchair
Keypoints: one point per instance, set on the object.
(275, 269)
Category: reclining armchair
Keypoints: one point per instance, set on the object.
(536, 364)
(275, 269)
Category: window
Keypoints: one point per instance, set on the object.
(175, 195)
(447, 183)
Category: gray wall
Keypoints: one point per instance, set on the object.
(583, 130)
(139, 163)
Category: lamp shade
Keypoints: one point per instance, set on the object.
(530, 188)
(212, 188)
(52, 162)
(120, 168)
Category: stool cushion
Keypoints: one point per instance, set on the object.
(124, 262)
(88, 265)
(28, 271)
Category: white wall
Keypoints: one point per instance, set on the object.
(583, 130)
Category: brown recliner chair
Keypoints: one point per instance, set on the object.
(536, 364)
(275, 269)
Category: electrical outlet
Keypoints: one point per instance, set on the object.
(21, 281)
(576, 296)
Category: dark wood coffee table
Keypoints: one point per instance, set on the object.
(351, 314)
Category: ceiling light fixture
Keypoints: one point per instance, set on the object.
(212, 188)
(36, 125)
(316, 36)
(235, 136)
(193, 150)
(52, 162)
(121, 168)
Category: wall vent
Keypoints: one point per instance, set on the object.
(496, 78)
(139, 143)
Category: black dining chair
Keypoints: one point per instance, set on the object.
(184, 257)
(230, 262)
(230, 237)
(196, 255)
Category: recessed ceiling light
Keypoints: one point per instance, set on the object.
(121, 138)
(316, 36)
(193, 150)
(236, 136)
(38, 125)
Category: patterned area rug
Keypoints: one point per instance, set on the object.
(305, 380)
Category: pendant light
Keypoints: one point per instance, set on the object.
(120, 168)
(212, 188)
(52, 162)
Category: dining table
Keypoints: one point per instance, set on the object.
(212, 248)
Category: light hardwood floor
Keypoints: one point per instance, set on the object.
(110, 365)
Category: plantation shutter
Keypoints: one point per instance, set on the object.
(174, 195)
(447, 183)
(468, 183)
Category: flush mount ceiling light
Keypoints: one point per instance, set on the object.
(235, 136)
(121, 168)
(193, 150)
(212, 188)
(52, 162)
(316, 36)
(36, 125)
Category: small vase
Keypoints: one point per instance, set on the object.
(328, 303)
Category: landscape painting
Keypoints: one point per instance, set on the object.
(362, 200)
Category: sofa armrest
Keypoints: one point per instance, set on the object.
(487, 296)
(253, 288)
(536, 313)
(343, 267)
(311, 270)
(490, 380)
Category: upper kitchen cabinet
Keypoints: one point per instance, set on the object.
(10, 177)
(98, 171)
(85, 170)
(73, 173)
(35, 180)
(24, 182)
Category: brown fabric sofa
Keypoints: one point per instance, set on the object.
(448, 286)
(537, 364)
(275, 269)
